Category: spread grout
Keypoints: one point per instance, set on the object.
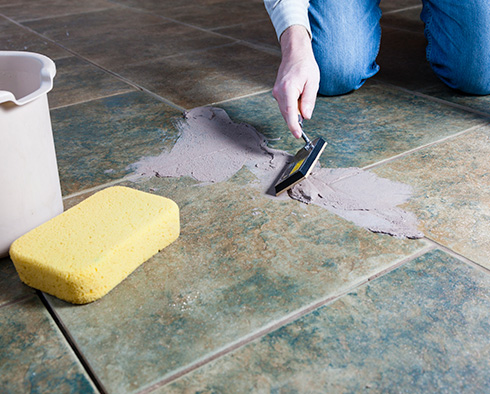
(212, 148)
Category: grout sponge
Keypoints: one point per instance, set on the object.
(82, 254)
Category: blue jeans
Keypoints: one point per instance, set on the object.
(347, 34)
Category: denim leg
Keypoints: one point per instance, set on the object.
(346, 37)
(458, 35)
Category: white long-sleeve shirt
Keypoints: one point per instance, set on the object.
(286, 13)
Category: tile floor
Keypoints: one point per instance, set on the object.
(257, 295)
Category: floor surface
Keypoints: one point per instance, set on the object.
(256, 295)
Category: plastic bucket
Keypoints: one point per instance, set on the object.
(30, 192)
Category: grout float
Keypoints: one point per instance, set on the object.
(212, 148)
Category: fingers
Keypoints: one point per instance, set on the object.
(297, 78)
(288, 105)
(308, 99)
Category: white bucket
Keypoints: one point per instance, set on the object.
(30, 192)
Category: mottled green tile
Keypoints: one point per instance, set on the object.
(216, 14)
(96, 141)
(11, 287)
(34, 356)
(472, 102)
(17, 38)
(207, 14)
(422, 328)
(77, 81)
(242, 261)
(451, 184)
(120, 37)
(374, 123)
(260, 33)
(206, 77)
(112, 22)
(25, 10)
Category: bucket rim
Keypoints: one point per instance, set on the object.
(47, 73)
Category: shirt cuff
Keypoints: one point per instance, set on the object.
(286, 13)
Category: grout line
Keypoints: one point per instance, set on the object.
(17, 300)
(132, 83)
(421, 147)
(394, 28)
(110, 72)
(437, 100)
(413, 7)
(180, 54)
(59, 15)
(458, 256)
(51, 108)
(131, 178)
(209, 31)
(407, 259)
(271, 327)
(242, 97)
(262, 20)
(72, 343)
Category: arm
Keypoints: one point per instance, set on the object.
(297, 79)
(298, 75)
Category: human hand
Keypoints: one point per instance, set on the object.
(297, 79)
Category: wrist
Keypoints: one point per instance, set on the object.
(295, 36)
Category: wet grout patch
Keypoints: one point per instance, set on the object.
(212, 148)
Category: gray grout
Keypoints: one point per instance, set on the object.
(302, 311)
(438, 100)
(424, 146)
(72, 343)
(413, 7)
(458, 256)
(55, 16)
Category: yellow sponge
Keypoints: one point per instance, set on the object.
(82, 254)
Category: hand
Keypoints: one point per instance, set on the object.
(297, 79)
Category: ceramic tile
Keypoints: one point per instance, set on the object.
(217, 14)
(25, 10)
(408, 19)
(242, 261)
(124, 37)
(206, 77)
(77, 81)
(12, 288)
(16, 38)
(68, 28)
(403, 62)
(208, 14)
(396, 5)
(422, 328)
(260, 33)
(472, 102)
(156, 5)
(452, 187)
(97, 140)
(39, 359)
(367, 126)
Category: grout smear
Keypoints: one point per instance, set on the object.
(212, 148)
(361, 197)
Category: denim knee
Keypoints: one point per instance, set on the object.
(458, 47)
(345, 38)
(467, 70)
(471, 73)
(343, 75)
